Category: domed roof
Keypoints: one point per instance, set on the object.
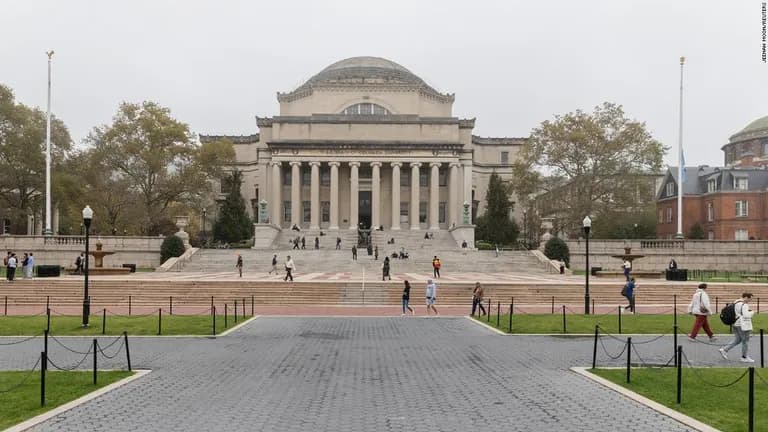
(756, 129)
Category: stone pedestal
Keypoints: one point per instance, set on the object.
(181, 223)
(264, 235)
(464, 233)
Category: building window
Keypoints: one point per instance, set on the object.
(422, 212)
(741, 234)
(286, 211)
(423, 178)
(670, 189)
(325, 207)
(765, 148)
(404, 211)
(226, 185)
(441, 212)
(405, 179)
(711, 186)
(505, 158)
(669, 214)
(325, 176)
(306, 177)
(742, 208)
(287, 177)
(366, 109)
(710, 212)
(711, 235)
(740, 183)
(443, 178)
(661, 216)
(306, 210)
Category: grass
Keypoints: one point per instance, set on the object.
(723, 408)
(60, 387)
(115, 325)
(631, 324)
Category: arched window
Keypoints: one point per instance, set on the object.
(365, 109)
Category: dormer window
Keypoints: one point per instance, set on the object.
(711, 186)
(366, 109)
(740, 183)
(670, 189)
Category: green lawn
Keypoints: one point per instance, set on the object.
(637, 324)
(723, 408)
(115, 325)
(60, 387)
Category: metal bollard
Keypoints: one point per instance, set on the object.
(214, 321)
(594, 348)
(498, 314)
(674, 307)
(45, 349)
(127, 350)
(252, 312)
(170, 305)
(553, 305)
(6, 306)
(225, 316)
(679, 373)
(48, 318)
(243, 306)
(674, 339)
(129, 305)
(95, 352)
(762, 360)
(593, 306)
(160, 321)
(104, 321)
(717, 307)
(619, 319)
(43, 359)
(751, 410)
(488, 313)
(565, 329)
(629, 356)
(235, 311)
(510, 317)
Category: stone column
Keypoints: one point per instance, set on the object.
(314, 216)
(453, 195)
(467, 187)
(334, 195)
(354, 197)
(434, 197)
(375, 195)
(396, 195)
(296, 193)
(414, 213)
(277, 195)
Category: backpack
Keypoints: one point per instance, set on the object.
(728, 314)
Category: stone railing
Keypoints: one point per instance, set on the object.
(662, 244)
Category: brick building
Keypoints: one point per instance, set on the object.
(731, 202)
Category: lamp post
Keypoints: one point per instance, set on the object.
(87, 216)
(587, 222)
(202, 243)
(525, 227)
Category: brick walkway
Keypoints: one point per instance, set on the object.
(372, 374)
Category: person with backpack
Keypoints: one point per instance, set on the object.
(629, 292)
(738, 315)
(701, 308)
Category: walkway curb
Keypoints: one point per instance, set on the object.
(34, 421)
(491, 328)
(225, 333)
(676, 415)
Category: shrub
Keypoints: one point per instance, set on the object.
(556, 249)
(172, 247)
(483, 245)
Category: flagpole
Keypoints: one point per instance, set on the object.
(680, 167)
(48, 230)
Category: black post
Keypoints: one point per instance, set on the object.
(629, 356)
(593, 306)
(170, 305)
(225, 316)
(45, 350)
(44, 360)
(104, 321)
(594, 348)
(95, 352)
(212, 307)
(235, 311)
(252, 309)
(488, 314)
(160, 321)
(751, 409)
(243, 306)
(127, 350)
(674, 339)
(510, 316)
(498, 314)
(565, 329)
(48, 318)
(553, 305)
(86, 297)
(129, 305)
(717, 308)
(214, 320)
(47, 302)
(586, 273)
(758, 305)
(619, 319)
(679, 373)
(6, 306)
(762, 360)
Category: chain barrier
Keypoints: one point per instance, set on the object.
(760, 376)
(114, 341)
(67, 369)
(616, 357)
(696, 372)
(651, 365)
(110, 313)
(22, 340)
(68, 348)
(652, 340)
(23, 381)
(119, 349)
(602, 331)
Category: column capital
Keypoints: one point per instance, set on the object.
(314, 163)
(397, 164)
(376, 163)
(275, 163)
(455, 165)
(435, 164)
(354, 164)
(336, 164)
(415, 164)
(295, 163)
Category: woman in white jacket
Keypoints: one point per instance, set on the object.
(701, 309)
(741, 328)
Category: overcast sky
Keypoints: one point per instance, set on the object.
(512, 64)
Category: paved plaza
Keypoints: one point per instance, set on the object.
(355, 374)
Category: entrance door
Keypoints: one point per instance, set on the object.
(364, 209)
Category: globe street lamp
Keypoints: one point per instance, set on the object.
(587, 222)
(87, 216)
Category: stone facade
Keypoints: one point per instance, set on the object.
(367, 142)
(63, 250)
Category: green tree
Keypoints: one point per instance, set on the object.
(696, 232)
(233, 224)
(22, 157)
(557, 249)
(157, 158)
(602, 160)
(625, 225)
(494, 225)
(171, 247)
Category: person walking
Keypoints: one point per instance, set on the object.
(303, 242)
(701, 308)
(290, 267)
(317, 242)
(296, 243)
(376, 252)
(24, 262)
(436, 267)
(239, 265)
(406, 298)
(627, 269)
(5, 264)
(385, 269)
(477, 299)
(274, 264)
(629, 292)
(12, 263)
(741, 328)
(338, 243)
(354, 252)
(431, 296)
(30, 265)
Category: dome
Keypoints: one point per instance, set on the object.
(756, 129)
